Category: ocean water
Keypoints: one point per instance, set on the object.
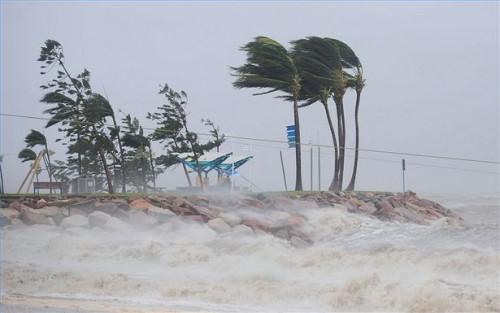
(357, 263)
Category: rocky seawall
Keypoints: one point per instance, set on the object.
(280, 214)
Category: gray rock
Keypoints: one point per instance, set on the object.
(98, 219)
(140, 218)
(298, 242)
(9, 213)
(4, 221)
(230, 218)
(115, 224)
(160, 214)
(30, 218)
(75, 221)
(219, 225)
(49, 211)
(243, 230)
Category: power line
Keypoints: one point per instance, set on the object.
(384, 160)
(431, 156)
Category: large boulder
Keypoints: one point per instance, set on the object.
(242, 230)
(41, 203)
(115, 224)
(57, 214)
(140, 204)
(160, 214)
(139, 218)
(230, 218)
(98, 219)
(218, 225)
(75, 221)
(83, 207)
(4, 221)
(30, 218)
(50, 211)
(298, 242)
(9, 213)
(111, 207)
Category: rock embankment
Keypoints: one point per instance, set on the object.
(279, 214)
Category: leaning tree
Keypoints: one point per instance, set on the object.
(270, 66)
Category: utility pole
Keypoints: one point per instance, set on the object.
(403, 163)
(311, 168)
(283, 170)
(319, 168)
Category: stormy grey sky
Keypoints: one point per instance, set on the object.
(431, 70)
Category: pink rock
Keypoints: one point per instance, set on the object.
(30, 218)
(41, 203)
(139, 204)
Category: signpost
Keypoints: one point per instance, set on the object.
(290, 134)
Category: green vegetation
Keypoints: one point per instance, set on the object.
(314, 70)
(119, 154)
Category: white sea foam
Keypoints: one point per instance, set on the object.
(357, 263)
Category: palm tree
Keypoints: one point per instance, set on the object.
(270, 66)
(35, 138)
(320, 67)
(358, 83)
(349, 61)
(134, 138)
(95, 110)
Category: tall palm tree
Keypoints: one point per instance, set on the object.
(270, 66)
(320, 67)
(349, 61)
(36, 138)
(358, 83)
(95, 110)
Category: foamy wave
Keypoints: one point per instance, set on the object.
(358, 263)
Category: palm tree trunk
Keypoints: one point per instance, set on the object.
(122, 158)
(106, 170)
(341, 128)
(298, 160)
(198, 170)
(104, 163)
(184, 167)
(49, 167)
(1, 180)
(350, 187)
(342, 147)
(152, 167)
(334, 182)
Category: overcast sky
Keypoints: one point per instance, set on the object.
(431, 70)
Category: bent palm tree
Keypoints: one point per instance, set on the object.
(270, 66)
(358, 83)
(320, 66)
(349, 61)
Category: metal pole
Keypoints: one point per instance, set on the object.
(311, 168)
(283, 170)
(319, 169)
(404, 168)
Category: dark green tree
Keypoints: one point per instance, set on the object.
(139, 155)
(80, 112)
(270, 66)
